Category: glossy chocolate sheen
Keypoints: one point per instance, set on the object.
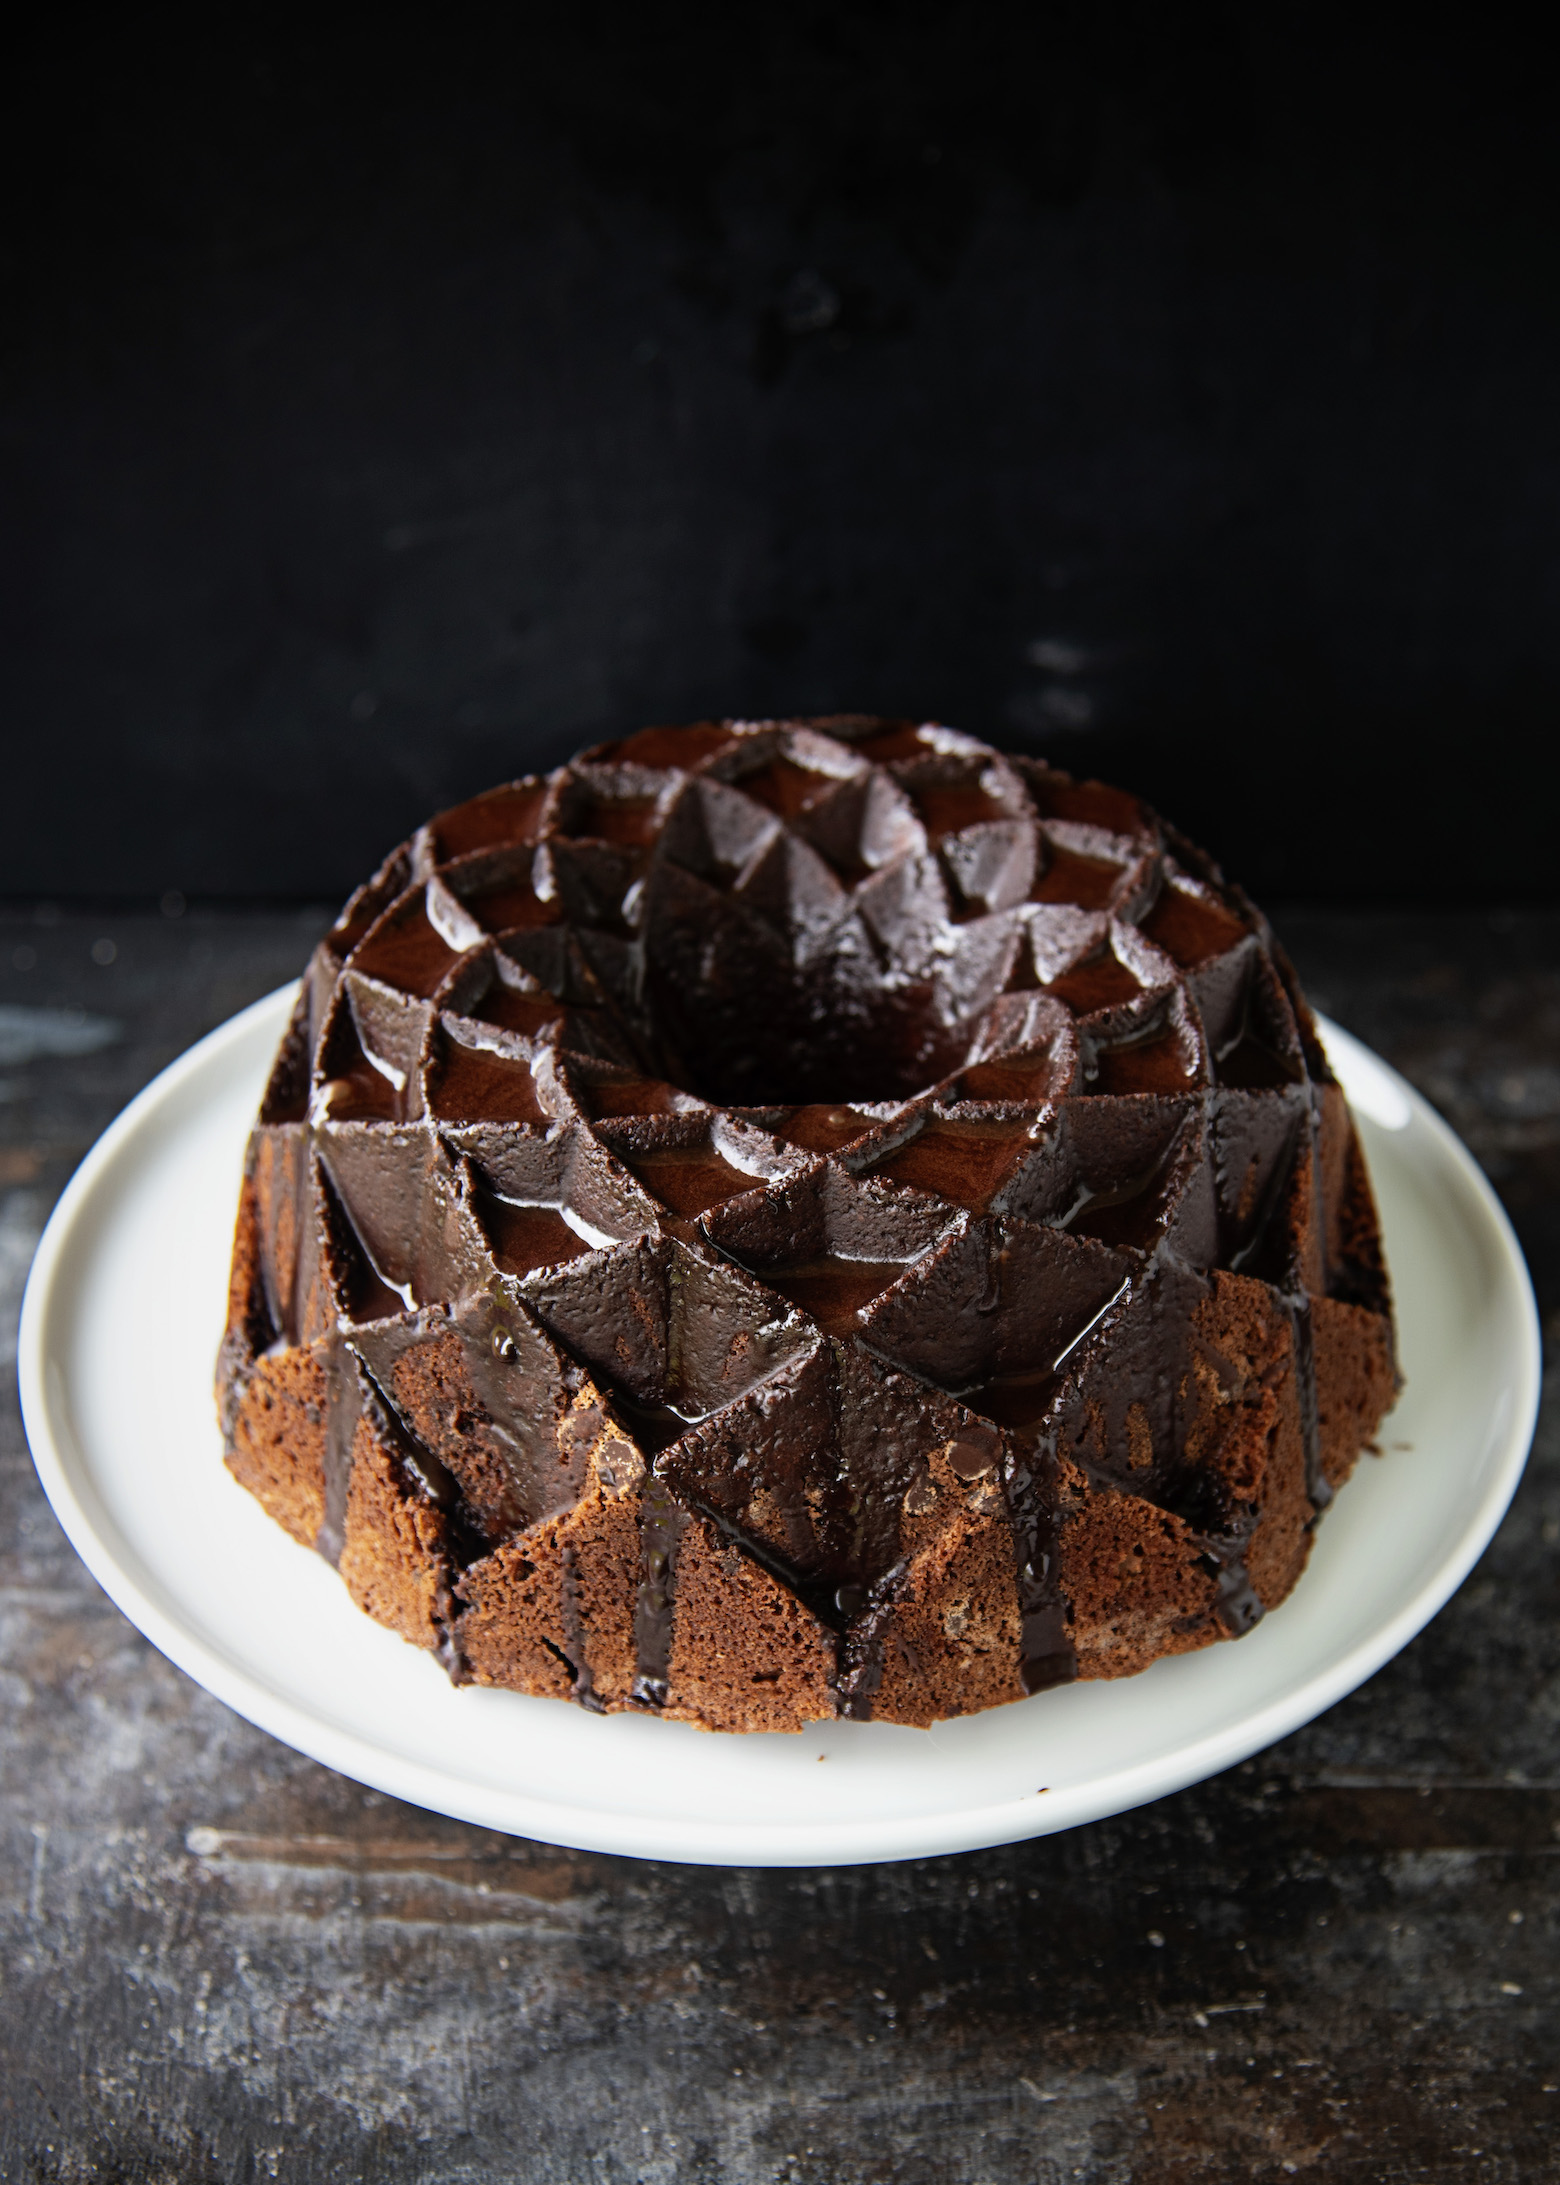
(888, 1166)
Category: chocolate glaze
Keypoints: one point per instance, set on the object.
(576, 1646)
(661, 1525)
(817, 1096)
(1046, 1652)
(344, 1407)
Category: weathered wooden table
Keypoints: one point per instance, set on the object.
(218, 1961)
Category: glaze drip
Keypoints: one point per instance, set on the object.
(661, 1525)
(344, 1408)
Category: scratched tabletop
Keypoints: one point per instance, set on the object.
(218, 1961)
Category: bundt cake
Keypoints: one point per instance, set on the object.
(791, 1218)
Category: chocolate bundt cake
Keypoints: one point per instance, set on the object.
(782, 1219)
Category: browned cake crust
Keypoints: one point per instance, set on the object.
(784, 1219)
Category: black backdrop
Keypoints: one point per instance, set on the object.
(389, 408)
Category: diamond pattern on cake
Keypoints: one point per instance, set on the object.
(791, 1216)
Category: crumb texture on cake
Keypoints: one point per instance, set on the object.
(788, 1218)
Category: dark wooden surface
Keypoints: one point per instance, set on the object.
(219, 1961)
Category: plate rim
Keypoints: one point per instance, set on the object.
(113, 1563)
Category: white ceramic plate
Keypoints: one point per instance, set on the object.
(119, 1332)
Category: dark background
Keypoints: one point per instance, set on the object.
(388, 407)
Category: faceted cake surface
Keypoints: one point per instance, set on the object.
(787, 1218)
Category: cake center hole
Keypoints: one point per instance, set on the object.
(836, 1032)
